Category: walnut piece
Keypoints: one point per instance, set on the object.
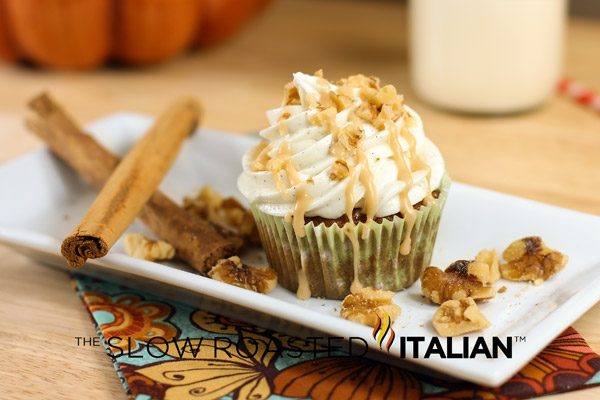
(234, 272)
(325, 118)
(367, 112)
(340, 101)
(454, 283)
(529, 259)
(359, 81)
(139, 246)
(368, 305)
(226, 215)
(485, 267)
(339, 170)
(290, 95)
(457, 317)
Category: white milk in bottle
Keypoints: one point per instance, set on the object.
(486, 56)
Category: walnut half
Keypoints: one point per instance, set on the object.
(485, 267)
(453, 284)
(139, 246)
(233, 272)
(529, 259)
(226, 215)
(367, 305)
(457, 317)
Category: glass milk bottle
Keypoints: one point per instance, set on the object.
(486, 56)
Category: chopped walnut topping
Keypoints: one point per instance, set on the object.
(290, 94)
(234, 272)
(346, 91)
(284, 116)
(367, 112)
(369, 95)
(340, 101)
(380, 106)
(139, 246)
(360, 81)
(367, 305)
(386, 115)
(347, 140)
(227, 215)
(388, 95)
(326, 119)
(529, 259)
(457, 317)
(339, 170)
(485, 267)
(453, 284)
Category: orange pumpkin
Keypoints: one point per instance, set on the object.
(7, 50)
(223, 17)
(79, 34)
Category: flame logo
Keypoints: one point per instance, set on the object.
(382, 329)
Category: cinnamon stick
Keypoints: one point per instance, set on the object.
(195, 241)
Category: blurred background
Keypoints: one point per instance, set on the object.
(482, 73)
(588, 8)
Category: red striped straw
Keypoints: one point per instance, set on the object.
(580, 93)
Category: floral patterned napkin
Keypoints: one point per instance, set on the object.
(182, 363)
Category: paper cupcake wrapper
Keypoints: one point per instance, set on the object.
(325, 255)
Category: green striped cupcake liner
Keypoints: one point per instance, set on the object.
(325, 254)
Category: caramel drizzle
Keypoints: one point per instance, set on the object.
(260, 156)
(415, 160)
(303, 292)
(282, 161)
(303, 200)
(404, 174)
(349, 230)
(365, 176)
(366, 179)
(349, 194)
(352, 234)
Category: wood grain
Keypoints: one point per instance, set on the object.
(551, 154)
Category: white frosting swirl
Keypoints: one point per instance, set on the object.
(309, 151)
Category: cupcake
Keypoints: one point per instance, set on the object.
(346, 190)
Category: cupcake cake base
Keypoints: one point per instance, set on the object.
(326, 263)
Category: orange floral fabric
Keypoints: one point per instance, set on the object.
(257, 363)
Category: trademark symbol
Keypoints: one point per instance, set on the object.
(520, 339)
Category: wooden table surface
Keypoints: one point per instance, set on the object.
(551, 154)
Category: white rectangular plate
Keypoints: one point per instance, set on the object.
(41, 200)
